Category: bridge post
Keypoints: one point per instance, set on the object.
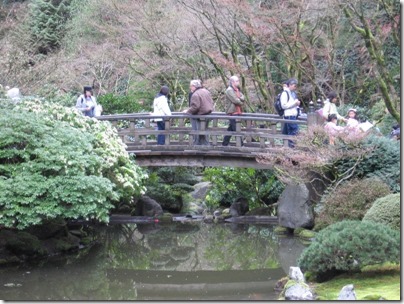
(311, 116)
(167, 127)
(239, 139)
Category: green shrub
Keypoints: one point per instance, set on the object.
(176, 175)
(122, 104)
(260, 187)
(348, 246)
(386, 210)
(383, 161)
(350, 201)
(56, 163)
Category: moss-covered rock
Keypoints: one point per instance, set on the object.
(281, 230)
(304, 233)
(165, 217)
(372, 297)
(23, 243)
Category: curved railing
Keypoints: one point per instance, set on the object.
(139, 131)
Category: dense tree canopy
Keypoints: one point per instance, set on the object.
(351, 47)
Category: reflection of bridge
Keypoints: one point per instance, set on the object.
(204, 284)
(255, 134)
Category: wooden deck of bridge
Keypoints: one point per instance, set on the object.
(255, 133)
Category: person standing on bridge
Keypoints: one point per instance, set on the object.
(234, 103)
(290, 104)
(86, 102)
(201, 103)
(160, 107)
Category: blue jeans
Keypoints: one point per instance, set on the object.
(161, 138)
(290, 129)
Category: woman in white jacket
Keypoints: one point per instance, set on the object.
(86, 103)
(160, 108)
(330, 107)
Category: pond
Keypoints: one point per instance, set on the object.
(173, 261)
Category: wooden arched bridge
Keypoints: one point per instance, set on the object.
(255, 134)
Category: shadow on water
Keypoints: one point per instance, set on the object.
(175, 261)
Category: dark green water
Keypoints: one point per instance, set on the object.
(176, 261)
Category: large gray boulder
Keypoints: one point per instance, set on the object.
(299, 292)
(294, 207)
(201, 189)
(147, 206)
(239, 207)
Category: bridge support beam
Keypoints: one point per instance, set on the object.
(198, 161)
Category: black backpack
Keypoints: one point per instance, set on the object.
(278, 105)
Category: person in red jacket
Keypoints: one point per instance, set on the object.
(234, 103)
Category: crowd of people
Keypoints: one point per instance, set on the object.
(339, 125)
(200, 102)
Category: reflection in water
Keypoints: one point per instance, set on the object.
(175, 261)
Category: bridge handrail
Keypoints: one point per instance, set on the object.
(213, 115)
(141, 132)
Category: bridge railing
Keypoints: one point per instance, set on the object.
(254, 129)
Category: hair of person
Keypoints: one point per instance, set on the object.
(331, 117)
(232, 79)
(88, 89)
(196, 83)
(164, 90)
(331, 95)
(291, 81)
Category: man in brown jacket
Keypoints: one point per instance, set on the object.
(201, 104)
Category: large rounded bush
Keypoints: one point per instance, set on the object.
(350, 201)
(54, 162)
(385, 210)
(348, 246)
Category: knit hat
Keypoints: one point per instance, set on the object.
(352, 109)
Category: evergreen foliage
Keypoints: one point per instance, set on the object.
(386, 210)
(47, 23)
(383, 161)
(54, 162)
(348, 246)
(350, 201)
(122, 104)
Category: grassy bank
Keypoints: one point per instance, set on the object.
(371, 283)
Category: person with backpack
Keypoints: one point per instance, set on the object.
(86, 103)
(234, 103)
(290, 103)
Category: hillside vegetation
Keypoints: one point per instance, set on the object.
(130, 48)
